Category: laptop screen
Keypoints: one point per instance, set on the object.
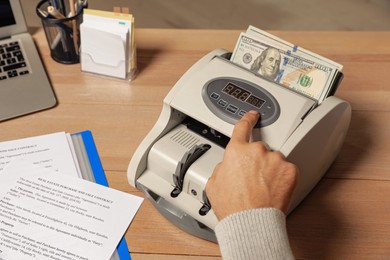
(6, 14)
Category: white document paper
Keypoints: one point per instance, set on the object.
(51, 151)
(46, 215)
(104, 47)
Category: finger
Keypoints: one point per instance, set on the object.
(243, 128)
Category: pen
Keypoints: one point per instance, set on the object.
(63, 30)
(74, 25)
(43, 13)
(64, 39)
(53, 3)
(58, 5)
(61, 8)
(60, 37)
(56, 41)
(63, 26)
(76, 6)
(72, 7)
(50, 16)
(55, 13)
(81, 5)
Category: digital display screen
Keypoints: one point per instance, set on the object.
(243, 95)
(255, 101)
(236, 92)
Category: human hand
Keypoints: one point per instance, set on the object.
(250, 176)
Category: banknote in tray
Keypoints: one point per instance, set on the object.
(285, 64)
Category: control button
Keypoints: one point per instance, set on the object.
(12, 73)
(222, 103)
(241, 113)
(13, 47)
(14, 66)
(232, 109)
(214, 95)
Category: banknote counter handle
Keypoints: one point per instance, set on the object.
(187, 160)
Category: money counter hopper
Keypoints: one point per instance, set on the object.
(173, 163)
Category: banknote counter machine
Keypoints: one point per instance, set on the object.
(173, 163)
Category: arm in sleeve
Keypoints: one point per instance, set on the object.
(254, 234)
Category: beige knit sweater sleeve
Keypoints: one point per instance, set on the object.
(254, 234)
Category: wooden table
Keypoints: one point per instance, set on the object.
(347, 214)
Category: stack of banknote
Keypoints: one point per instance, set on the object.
(285, 63)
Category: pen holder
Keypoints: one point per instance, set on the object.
(62, 30)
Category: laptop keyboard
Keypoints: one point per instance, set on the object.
(12, 61)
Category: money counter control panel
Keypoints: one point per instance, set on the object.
(234, 97)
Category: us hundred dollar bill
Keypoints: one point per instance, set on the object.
(273, 40)
(276, 62)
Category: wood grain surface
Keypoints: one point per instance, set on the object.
(344, 217)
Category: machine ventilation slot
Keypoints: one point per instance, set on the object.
(206, 132)
(185, 139)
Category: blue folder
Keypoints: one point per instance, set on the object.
(92, 170)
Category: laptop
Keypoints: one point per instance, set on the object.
(24, 85)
